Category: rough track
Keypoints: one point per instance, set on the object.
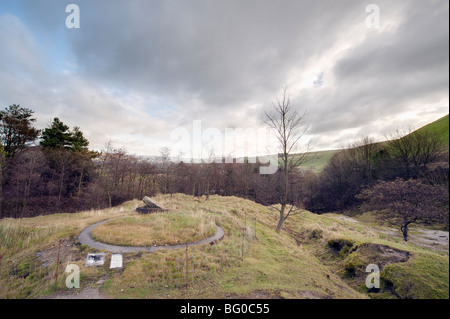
(85, 238)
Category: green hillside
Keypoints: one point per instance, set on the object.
(439, 127)
(316, 161)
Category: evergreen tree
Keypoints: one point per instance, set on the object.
(59, 136)
(16, 131)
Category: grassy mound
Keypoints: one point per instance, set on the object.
(156, 229)
(314, 256)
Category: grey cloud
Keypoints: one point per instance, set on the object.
(389, 72)
(420, 43)
(209, 60)
(224, 52)
(20, 53)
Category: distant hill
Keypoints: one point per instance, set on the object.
(316, 161)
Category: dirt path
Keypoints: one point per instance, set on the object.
(87, 293)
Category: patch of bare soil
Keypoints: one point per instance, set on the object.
(382, 255)
(347, 219)
(87, 293)
(308, 294)
(256, 294)
(67, 252)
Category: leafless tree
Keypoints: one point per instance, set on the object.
(208, 170)
(60, 162)
(166, 170)
(111, 170)
(407, 201)
(289, 127)
(361, 155)
(25, 178)
(415, 149)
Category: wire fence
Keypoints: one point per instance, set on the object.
(28, 276)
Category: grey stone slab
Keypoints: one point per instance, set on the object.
(116, 261)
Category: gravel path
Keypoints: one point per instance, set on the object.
(85, 238)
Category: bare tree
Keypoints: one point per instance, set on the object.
(208, 168)
(415, 150)
(25, 173)
(364, 151)
(60, 163)
(407, 201)
(289, 127)
(146, 180)
(166, 168)
(360, 157)
(111, 170)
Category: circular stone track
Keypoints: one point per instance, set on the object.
(85, 238)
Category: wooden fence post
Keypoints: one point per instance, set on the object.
(57, 262)
(187, 265)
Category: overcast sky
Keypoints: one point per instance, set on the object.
(137, 71)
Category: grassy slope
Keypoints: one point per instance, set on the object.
(423, 275)
(316, 161)
(297, 263)
(439, 127)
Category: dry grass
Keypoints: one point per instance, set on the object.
(23, 274)
(273, 265)
(20, 235)
(156, 229)
(295, 263)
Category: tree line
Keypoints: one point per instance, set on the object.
(61, 174)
